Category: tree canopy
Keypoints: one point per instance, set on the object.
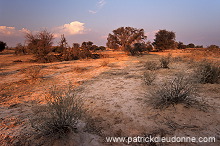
(2, 46)
(164, 40)
(125, 36)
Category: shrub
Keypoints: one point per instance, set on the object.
(178, 90)
(149, 77)
(60, 115)
(40, 44)
(207, 72)
(80, 69)
(136, 49)
(104, 63)
(2, 46)
(71, 54)
(165, 61)
(33, 72)
(20, 49)
(151, 65)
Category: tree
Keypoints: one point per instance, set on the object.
(76, 45)
(180, 45)
(136, 49)
(63, 42)
(40, 44)
(2, 46)
(164, 40)
(87, 45)
(212, 47)
(191, 45)
(125, 36)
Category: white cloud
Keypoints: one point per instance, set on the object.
(101, 3)
(93, 12)
(72, 28)
(99, 6)
(11, 31)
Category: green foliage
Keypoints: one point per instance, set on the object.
(125, 36)
(164, 40)
(2, 46)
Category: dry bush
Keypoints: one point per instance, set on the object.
(60, 115)
(151, 65)
(165, 61)
(80, 69)
(177, 59)
(179, 90)
(149, 77)
(207, 72)
(33, 72)
(104, 63)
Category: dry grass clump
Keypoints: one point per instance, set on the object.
(149, 77)
(151, 65)
(165, 61)
(60, 115)
(80, 69)
(207, 72)
(179, 90)
(33, 72)
(104, 63)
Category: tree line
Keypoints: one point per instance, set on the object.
(131, 40)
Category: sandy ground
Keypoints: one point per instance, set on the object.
(114, 95)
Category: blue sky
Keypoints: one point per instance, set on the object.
(193, 21)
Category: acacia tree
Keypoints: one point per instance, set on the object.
(40, 44)
(164, 40)
(125, 36)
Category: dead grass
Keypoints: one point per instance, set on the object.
(60, 115)
(180, 90)
(32, 72)
(149, 77)
(151, 65)
(80, 69)
(104, 63)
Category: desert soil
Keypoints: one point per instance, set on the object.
(114, 94)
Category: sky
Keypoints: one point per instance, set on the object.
(193, 21)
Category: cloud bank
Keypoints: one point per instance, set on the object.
(12, 31)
